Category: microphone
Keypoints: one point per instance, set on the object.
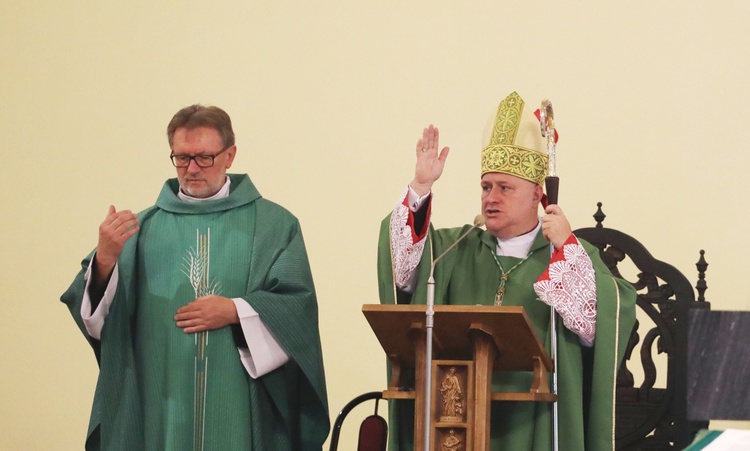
(479, 221)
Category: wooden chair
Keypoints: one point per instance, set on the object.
(649, 417)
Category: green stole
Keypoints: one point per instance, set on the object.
(162, 389)
(469, 275)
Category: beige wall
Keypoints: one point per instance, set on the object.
(328, 99)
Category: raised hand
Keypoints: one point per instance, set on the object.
(429, 163)
(114, 232)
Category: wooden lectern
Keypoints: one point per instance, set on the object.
(469, 343)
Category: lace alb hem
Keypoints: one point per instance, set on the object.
(569, 285)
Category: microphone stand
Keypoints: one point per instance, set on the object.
(552, 184)
(429, 323)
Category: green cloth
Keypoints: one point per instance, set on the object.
(703, 438)
(162, 389)
(469, 275)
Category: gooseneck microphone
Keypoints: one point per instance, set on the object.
(479, 221)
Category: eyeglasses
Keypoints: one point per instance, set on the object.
(203, 161)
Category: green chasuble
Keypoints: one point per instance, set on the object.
(469, 275)
(162, 389)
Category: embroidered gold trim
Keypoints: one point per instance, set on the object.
(515, 160)
(617, 353)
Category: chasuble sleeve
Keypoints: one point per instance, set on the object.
(616, 300)
(281, 290)
(73, 298)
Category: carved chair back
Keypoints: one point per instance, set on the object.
(649, 416)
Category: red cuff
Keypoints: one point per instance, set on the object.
(418, 235)
(557, 256)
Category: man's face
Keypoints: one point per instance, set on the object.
(509, 204)
(194, 180)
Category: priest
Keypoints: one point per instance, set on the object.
(510, 264)
(202, 313)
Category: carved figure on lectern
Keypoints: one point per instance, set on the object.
(453, 397)
(451, 442)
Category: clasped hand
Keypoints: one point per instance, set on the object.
(555, 226)
(206, 313)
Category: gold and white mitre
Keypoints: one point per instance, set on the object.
(516, 145)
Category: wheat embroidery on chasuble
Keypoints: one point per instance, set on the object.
(197, 266)
(196, 392)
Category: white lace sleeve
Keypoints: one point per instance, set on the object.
(569, 285)
(406, 253)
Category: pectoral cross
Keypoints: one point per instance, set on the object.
(501, 289)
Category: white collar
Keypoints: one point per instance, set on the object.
(518, 246)
(223, 192)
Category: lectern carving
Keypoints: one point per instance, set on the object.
(469, 343)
